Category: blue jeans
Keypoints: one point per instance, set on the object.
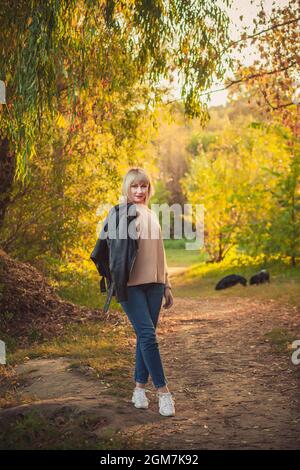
(142, 309)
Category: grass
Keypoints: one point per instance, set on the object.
(177, 255)
(82, 287)
(182, 257)
(100, 347)
(60, 432)
(280, 339)
(199, 278)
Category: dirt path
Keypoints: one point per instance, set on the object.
(231, 390)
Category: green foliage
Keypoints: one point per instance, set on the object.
(162, 194)
(60, 49)
(10, 342)
(5, 316)
(284, 230)
(247, 178)
(200, 142)
(79, 283)
(54, 216)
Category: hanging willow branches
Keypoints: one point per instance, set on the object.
(62, 46)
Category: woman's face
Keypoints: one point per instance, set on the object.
(138, 192)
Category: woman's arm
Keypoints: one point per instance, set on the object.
(167, 292)
(167, 281)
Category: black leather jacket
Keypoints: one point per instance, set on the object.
(115, 251)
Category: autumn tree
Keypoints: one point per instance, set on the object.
(273, 82)
(232, 177)
(52, 50)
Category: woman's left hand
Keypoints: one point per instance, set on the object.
(169, 298)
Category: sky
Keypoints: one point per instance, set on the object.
(249, 10)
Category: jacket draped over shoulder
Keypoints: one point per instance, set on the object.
(115, 250)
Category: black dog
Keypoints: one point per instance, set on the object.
(260, 278)
(231, 280)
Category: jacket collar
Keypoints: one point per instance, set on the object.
(128, 208)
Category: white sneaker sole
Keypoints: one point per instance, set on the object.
(167, 414)
(143, 407)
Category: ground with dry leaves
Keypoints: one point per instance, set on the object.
(232, 389)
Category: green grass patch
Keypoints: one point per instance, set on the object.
(199, 279)
(280, 339)
(82, 287)
(60, 432)
(177, 255)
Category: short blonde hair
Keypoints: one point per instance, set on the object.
(136, 175)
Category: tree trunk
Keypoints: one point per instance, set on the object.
(7, 172)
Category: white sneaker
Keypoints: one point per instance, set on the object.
(166, 404)
(139, 398)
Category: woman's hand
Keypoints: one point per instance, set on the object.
(169, 298)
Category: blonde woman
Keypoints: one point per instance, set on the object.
(147, 285)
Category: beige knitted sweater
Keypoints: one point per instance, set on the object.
(150, 264)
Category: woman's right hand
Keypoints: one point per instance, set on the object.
(169, 298)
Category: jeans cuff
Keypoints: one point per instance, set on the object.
(161, 385)
(141, 381)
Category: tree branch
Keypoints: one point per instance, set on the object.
(241, 80)
(251, 36)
